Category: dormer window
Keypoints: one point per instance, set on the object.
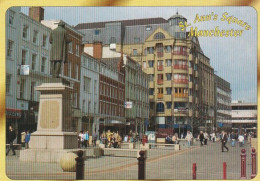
(148, 28)
(159, 36)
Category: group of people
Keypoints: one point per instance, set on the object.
(11, 136)
(83, 139)
(172, 139)
(111, 139)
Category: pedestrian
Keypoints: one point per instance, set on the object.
(241, 140)
(201, 138)
(94, 138)
(213, 137)
(81, 139)
(206, 137)
(233, 139)
(10, 138)
(189, 138)
(224, 139)
(27, 139)
(23, 133)
(86, 138)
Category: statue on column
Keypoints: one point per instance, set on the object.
(59, 39)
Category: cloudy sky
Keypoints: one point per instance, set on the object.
(233, 58)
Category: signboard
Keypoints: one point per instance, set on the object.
(25, 69)
(128, 105)
(13, 113)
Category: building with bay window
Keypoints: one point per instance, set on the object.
(181, 86)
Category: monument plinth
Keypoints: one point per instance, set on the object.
(54, 135)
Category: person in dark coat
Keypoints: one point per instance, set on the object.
(59, 38)
(201, 137)
(224, 139)
(10, 138)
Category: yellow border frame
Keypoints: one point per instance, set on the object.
(5, 4)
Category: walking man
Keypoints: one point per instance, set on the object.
(10, 138)
(189, 138)
(224, 139)
(201, 138)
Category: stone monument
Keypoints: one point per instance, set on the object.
(54, 135)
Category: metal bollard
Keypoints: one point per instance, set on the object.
(141, 166)
(243, 164)
(194, 169)
(224, 170)
(253, 154)
(80, 165)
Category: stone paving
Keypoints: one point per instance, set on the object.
(160, 164)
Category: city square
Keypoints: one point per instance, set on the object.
(141, 97)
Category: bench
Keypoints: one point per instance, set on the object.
(16, 146)
(162, 145)
(117, 152)
(128, 145)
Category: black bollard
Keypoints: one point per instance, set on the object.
(80, 165)
(141, 166)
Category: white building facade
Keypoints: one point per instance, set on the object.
(13, 112)
(89, 94)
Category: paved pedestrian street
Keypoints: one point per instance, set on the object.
(160, 164)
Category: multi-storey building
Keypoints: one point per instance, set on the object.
(111, 96)
(33, 53)
(223, 103)
(244, 116)
(89, 94)
(181, 87)
(13, 111)
(71, 70)
(136, 86)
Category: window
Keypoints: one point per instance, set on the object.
(159, 36)
(69, 69)
(33, 61)
(151, 77)
(33, 84)
(168, 62)
(75, 99)
(168, 90)
(8, 83)
(168, 49)
(136, 40)
(112, 40)
(134, 51)
(77, 50)
(24, 57)
(44, 40)
(87, 84)
(70, 47)
(10, 47)
(148, 28)
(151, 91)
(22, 89)
(150, 50)
(144, 64)
(160, 107)
(25, 31)
(11, 17)
(76, 71)
(168, 76)
(160, 76)
(151, 63)
(97, 32)
(35, 36)
(43, 64)
(169, 105)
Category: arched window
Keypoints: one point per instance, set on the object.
(159, 36)
(160, 107)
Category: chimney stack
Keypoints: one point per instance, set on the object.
(36, 13)
(97, 50)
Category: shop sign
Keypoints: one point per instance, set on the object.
(13, 113)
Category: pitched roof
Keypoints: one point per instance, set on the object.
(132, 22)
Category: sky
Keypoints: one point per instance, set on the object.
(233, 58)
